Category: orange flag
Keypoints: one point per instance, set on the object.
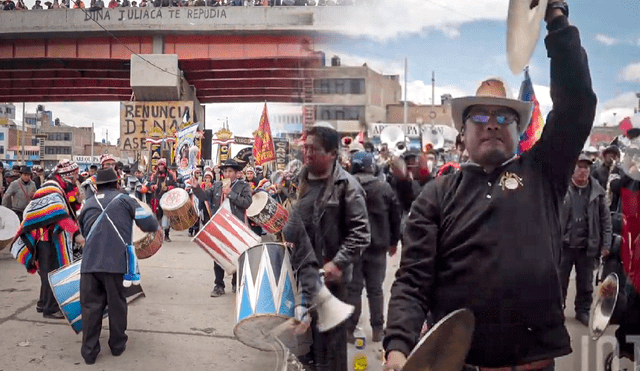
(263, 148)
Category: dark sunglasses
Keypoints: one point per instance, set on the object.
(502, 118)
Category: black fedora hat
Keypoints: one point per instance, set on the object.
(25, 170)
(232, 164)
(105, 176)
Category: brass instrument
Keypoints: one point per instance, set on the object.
(434, 138)
(394, 139)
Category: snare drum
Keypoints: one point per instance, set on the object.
(147, 244)
(266, 296)
(65, 283)
(9, 225)
(176, 204)
(224, 238)
(267, 212)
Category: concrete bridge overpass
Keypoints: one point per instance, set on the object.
(226, 54)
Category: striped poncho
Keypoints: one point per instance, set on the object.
(48, 217)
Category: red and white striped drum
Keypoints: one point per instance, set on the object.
(177, 205)
(267, 212)
(147, 244)
(225, 238)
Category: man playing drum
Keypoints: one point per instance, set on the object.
(488, 238)
(238, 192)
(107, 221)
(160, 182)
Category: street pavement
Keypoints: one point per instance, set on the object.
(178, 326)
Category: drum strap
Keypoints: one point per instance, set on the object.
(104, 209)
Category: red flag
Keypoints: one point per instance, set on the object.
(360, 137)
(625, 125)
(263, 149)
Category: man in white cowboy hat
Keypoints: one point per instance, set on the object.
(488, 238)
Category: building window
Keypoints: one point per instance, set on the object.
(8, 110)
(1, 150)
(66, 136)
(339, 86)
(340, 112)
(1, 136)
(34, 142)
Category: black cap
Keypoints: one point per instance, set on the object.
(105, 176)
(585, 158)
(232, 164)
(612, 149)
(25, 170)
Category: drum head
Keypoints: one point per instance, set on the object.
(9, 225)
(604, 305)
(258, 332)
(174, 199)
(258, 202)
(631, 160)
(445, 346)
(138, 234)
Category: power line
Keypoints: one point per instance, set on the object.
(125, 45)
(451, 9)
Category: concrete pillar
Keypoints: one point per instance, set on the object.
(158, 44)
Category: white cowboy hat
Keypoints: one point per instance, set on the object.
(492, 92)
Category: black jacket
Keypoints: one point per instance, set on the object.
(103, 250)
(598, 216)
(239, 197)
(341, 226)
(383, 210)
(491, 242)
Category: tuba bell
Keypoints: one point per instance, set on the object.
(434, 138)
(346, 141)
(394, 139)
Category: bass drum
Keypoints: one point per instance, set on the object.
(9, 225)
(147, 244)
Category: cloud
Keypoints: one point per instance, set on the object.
(630, 73)
(104, 115)
(611, 112)
(625, 100)
(606, 40)
(384, 21)
(420, 92)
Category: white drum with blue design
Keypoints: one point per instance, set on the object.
(65, 283)
(266, 296)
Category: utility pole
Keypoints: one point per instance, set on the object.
(92, 140)
(433, 95)
(24, 134)
(406, 107)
